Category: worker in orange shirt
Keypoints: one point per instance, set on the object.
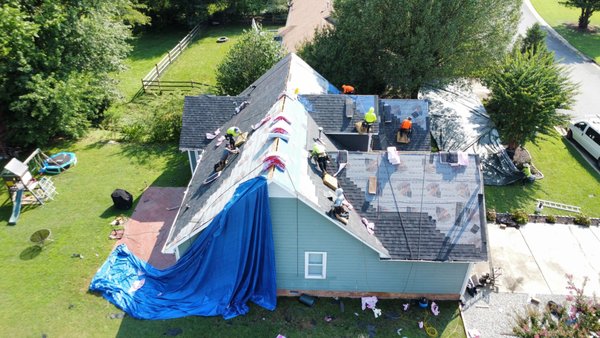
(347, 89)
(406, 127)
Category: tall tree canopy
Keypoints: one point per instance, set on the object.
(526, 91)
(254, 54)
(393, 47)
(587, 8)
(55, 57)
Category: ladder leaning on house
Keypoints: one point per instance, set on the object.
(561, 206)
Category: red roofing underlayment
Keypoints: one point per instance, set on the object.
(148, 228)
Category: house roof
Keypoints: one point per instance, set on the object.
(330, 111)
(303, 18)
(272, 94)
(423, 208)
(204, 114)
(438, 218)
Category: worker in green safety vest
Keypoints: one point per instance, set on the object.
(231, 134)
(320, 156)
(370, 118)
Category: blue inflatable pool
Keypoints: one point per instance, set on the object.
(58, 163)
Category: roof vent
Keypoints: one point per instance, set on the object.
(350, 108)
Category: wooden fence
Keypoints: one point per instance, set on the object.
(162, 86)
(149, 81)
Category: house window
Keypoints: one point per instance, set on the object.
(315, 265)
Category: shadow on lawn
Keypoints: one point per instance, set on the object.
(510, 197)
(579, 158)
(327, 318)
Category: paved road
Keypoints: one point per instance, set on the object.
(584, 72)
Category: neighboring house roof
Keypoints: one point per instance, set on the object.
(423, 209)
(304, 16)
(204, 114)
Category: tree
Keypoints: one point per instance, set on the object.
(526, 91)
(587, 7)
(534, 39)
(254, 54)
(56, 57)
(393, 47)
(578, 318)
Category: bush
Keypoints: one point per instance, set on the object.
(153, 119)
(520, 216)
(551, 219)
(490, 214)
(582, 219)
(254, 54)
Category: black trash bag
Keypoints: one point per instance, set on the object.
(122, 199)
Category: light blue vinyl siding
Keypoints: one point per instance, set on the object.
(351, 265)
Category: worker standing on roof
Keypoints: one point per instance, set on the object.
(320, 156)
(406, 127)
(347, 89)
(231, 135)
(370, 118)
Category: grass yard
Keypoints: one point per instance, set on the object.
(45, 292)
(561, 17)
(200, 60)
(569, 179)
(148, 49)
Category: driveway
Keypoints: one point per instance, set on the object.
(535, 258)
(581, 71)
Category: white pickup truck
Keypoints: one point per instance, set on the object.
(587, 134)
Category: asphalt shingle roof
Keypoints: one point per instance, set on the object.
(204, 114)
(329, 112)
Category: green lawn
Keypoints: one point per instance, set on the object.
(561, 18)
(568, 179)
(200, 60)
(148, 49)
(46, 292)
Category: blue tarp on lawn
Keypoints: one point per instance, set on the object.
(231, 262)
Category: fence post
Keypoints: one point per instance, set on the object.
(143, 85)
(157, 70)
(169, 54)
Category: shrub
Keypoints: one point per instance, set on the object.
(490, 214)
(520, 216)
(582, 219)
(153, 119)
(551, 219)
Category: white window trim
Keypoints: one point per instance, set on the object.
(324, 267)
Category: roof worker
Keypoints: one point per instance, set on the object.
(406, 127)
(226, 152)
(338, 204)
(320, 156)
(232, 134)
(347, 89)
(370, 118)
(528, 177)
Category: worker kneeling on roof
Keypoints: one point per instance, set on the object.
(225, 156)
(338, 204)
(320, 156)
(370, 118)
(231, 135)
(406, 127)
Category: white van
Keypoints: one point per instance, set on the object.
(587, 134)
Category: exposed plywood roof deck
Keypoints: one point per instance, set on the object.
(303, 18)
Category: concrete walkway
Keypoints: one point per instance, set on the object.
(534, 260)
(148, 228)
(536, 257)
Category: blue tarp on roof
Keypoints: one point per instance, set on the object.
(230, 263)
